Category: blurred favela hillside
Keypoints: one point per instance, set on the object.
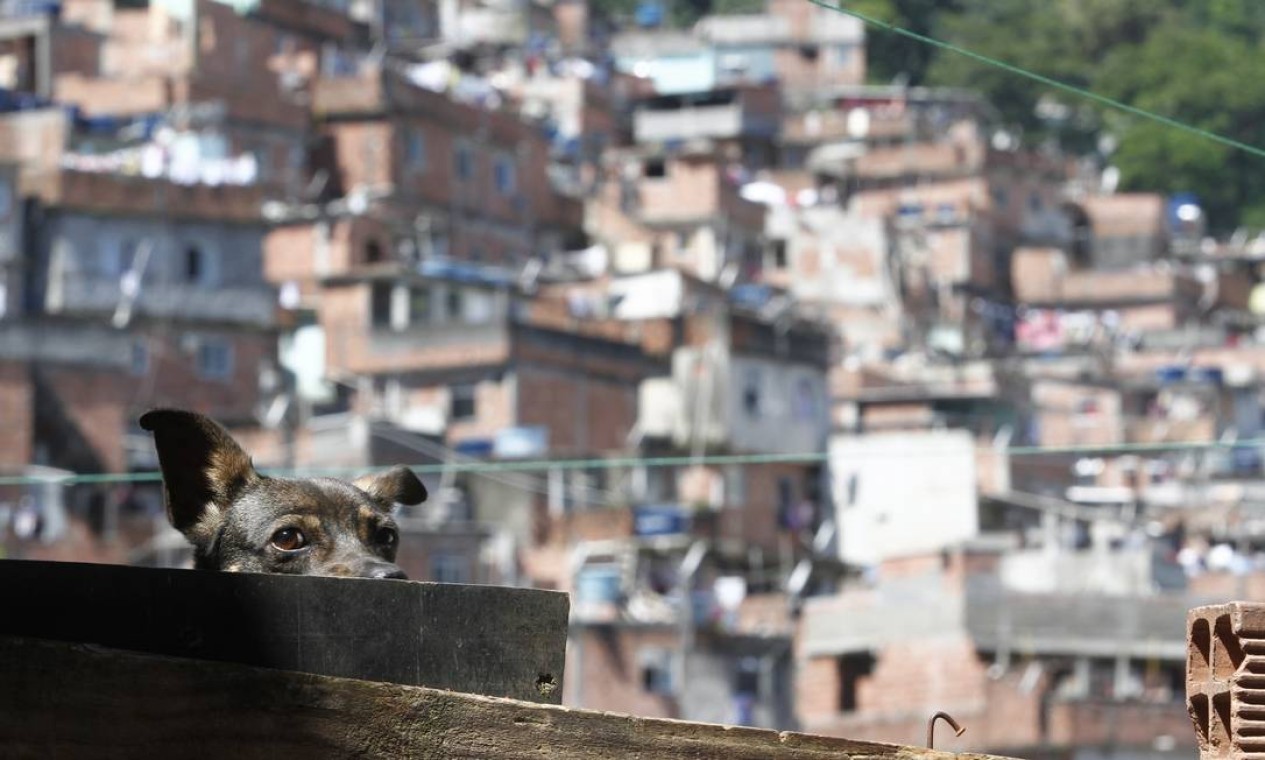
(838, 378)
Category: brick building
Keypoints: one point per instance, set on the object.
(1024, 673)
(452, 180)
(679, 210)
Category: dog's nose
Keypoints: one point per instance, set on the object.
(387, 571)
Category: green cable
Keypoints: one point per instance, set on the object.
(1065, 87)
(544, 465)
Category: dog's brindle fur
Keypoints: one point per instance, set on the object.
(241, 521)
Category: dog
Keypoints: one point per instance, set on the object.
(241, 521)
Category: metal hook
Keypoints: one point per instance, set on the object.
(931, 727)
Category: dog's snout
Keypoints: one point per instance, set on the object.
(364, 569)
(387, 571)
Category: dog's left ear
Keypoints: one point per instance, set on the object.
(204, 470)
(397, 485)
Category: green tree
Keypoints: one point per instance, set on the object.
(1192, 60)
(1203, 77)
(891, 55)
(737, 6)
(1244, 19)
(1025, 34)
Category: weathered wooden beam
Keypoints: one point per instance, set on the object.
(71, 701)
(502, 642)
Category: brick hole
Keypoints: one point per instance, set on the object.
(1219, 725)
(1200, 653)
(1228, 654)
(546, 684)
(1199, 714)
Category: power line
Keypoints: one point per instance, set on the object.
(456, 459)
(1064, 86)
(544, 465)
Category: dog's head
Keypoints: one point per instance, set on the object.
(239, 520)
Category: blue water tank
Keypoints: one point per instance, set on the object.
(649, 13)
(597, 584)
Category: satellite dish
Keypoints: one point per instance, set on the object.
(859, 123)
(1004, 141)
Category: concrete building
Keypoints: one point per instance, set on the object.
(679, 210)
(1025, 673)
(805, 49)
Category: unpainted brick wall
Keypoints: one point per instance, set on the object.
(1225, 679)
(17, 410)
(605, 660)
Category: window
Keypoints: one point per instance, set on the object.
(656, 168)
(263, 166)
(505, 178)
(751, 392)
(418, 306)
(779, 254)
(215, 359)
(194, 265)
(455, 301)
(336, 62)
(437, 245)
(140, 358)
(284, 44)
(415, 149)
(747, 676)
(463, 161)
(805, 400)
(1001, 197)
(461, 404)
(374, 252)
(735, 485)
(852, 668)
(380, 305)
(446, 567)
(786, 512)
(656, 671)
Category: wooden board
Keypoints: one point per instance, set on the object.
(73, 701)
(502, 642)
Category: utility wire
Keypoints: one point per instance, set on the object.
(544, 465)
(1056, 84)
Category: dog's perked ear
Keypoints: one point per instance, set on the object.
(397, 485)
(204, 470)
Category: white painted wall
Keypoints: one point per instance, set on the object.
(655, 295)
(903, 494)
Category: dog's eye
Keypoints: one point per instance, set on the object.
(289, 539)
(386, 536)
